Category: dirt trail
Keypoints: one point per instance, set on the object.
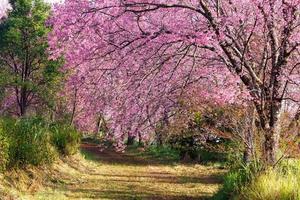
(110, 175)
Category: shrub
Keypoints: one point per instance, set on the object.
(65, 138)
(239, 175)
(29, 142)
(232, 184)
(211, 156)
(162, 153)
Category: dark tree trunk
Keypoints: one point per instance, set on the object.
(130, 140)
(140, 138)
(23, 101)
(270, 147)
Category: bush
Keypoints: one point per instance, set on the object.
(211, 156)
(65, 138)
(32, 141)
(232, 184)
(163, 152)
(29, 142)
(240, 174)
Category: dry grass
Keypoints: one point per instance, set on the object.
(282, 183)
(110, 175)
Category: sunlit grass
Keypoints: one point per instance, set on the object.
(93, 178)
(282, 183)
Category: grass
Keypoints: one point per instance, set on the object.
(163, 154)
(109, 175)
(282, 183)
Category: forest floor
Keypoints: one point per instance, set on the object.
(110, 175)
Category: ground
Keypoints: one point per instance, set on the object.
(123, 176)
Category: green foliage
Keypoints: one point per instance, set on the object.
(24, 57)
(203, 136)
(29, 142)
(32, 141)
(162, 153)
(186, 143)
(240, 174)
(211, 156)
(65, 138)
(233, 182)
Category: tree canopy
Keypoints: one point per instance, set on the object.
(30, 77)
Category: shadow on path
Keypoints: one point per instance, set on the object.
(110, 156)
(125, 176)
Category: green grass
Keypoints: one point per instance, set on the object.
(161, 153)
(88, 155)
(279, 183)
(282, 183)
(110, 175)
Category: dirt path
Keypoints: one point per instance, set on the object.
(111, 175)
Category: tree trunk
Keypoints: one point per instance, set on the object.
(249, 146)
(272, 135)
(158, 137)
(140, 138)
(249, 135)
(23, 102)
(74, 107)
(130, 140)
(270, 147)
(98, 128)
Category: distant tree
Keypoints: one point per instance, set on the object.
(24, 56)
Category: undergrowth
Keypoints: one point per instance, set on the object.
(33, 141)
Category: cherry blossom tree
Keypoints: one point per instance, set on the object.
(140, 54)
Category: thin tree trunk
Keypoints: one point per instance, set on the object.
(99, 125)
(74, 107)
(158, 137)
(23, 101)
(249, 138)
(140, 138)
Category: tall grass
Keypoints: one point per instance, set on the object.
(4, 150)
(29, 142)
(65, 138)
(282, 183)
(33, 141)
(252, 183)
